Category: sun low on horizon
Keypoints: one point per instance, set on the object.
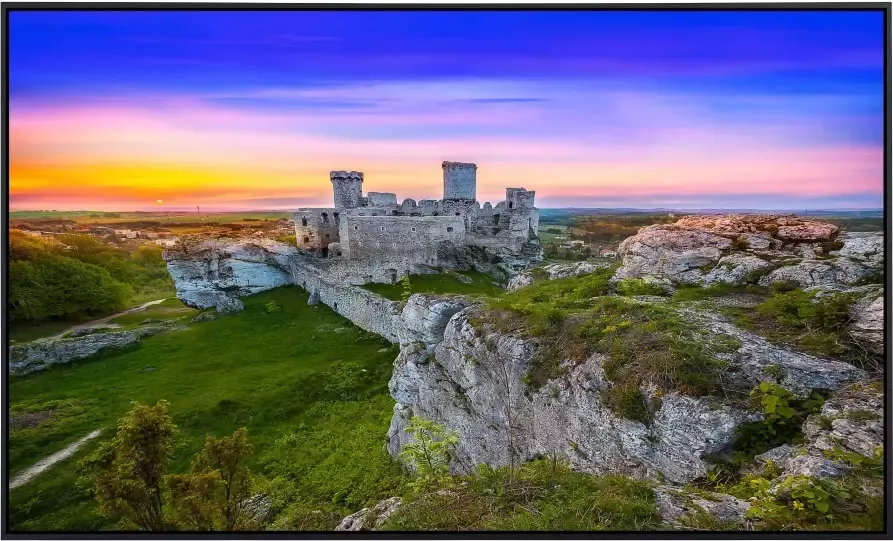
(252, 110)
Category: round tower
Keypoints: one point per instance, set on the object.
(348, 189)
(459, 181)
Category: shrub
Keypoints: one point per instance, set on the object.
(631, 287)
(429, 453)
(272, 307)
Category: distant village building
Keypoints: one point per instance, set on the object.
(607, 252)
(167, 243)
(127, 233)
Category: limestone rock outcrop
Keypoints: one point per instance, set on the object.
(471, 378)
(677, 507)
(369, 519)
(742, 248)
(555, 271)
(43, 353)
(214, 273)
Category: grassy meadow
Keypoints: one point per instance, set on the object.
(310, 388)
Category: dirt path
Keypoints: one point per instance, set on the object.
(102, 322)
(36, 469)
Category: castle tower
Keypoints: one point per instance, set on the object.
(348, 188)
(459, 181)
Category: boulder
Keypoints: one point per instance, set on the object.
(215, 272)
(678, 507)
(555, 271)
(741, 248)
(868, 321)
(369, 519)
(736, 269)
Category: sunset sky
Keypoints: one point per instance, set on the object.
(251, 110)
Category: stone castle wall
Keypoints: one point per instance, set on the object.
(363, 308)
(316, 228)
(413, 238)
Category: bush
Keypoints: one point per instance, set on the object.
(631, 287)
(540, 495)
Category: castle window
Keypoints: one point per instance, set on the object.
(327, 236)
(413, 230)
(356, 228)
(338, 254)
(458, 214)
(375, 214)
(304, 221)
(449, 229)
(382, 228)
(511, 204)
(395, 245)
(336, 216)
(325, 218)
(306, 239)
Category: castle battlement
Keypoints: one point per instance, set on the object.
(376, 229)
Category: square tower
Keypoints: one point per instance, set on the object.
(459, 181)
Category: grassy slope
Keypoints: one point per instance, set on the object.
(25, 331)
(439, 283)
(310, 387)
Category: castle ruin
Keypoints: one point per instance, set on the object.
(373, 238)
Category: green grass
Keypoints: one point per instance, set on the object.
(309, 386)
(572, 319)
(25, 331)
(169, 309)
(481, 284)
(539, 496)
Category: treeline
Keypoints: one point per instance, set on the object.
(75, 276)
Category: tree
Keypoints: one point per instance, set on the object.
(194, 500)
(130, 484)
(227, 456)
(127, 471)
(429, 453)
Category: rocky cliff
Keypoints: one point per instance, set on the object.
(457, 367)
(214, 273)
(470, 377)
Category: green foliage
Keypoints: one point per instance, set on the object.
(407, 289)
(817, 324)
(194, 500)
(697, 293)
(571, 319)
(784, 417)
(481, 284)
(804, 310)
(272, 307)
(631, 287)
(227, 458)
(429, 454)
(542, 495)
(310, 388)
(127, 471)
(75, 276)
